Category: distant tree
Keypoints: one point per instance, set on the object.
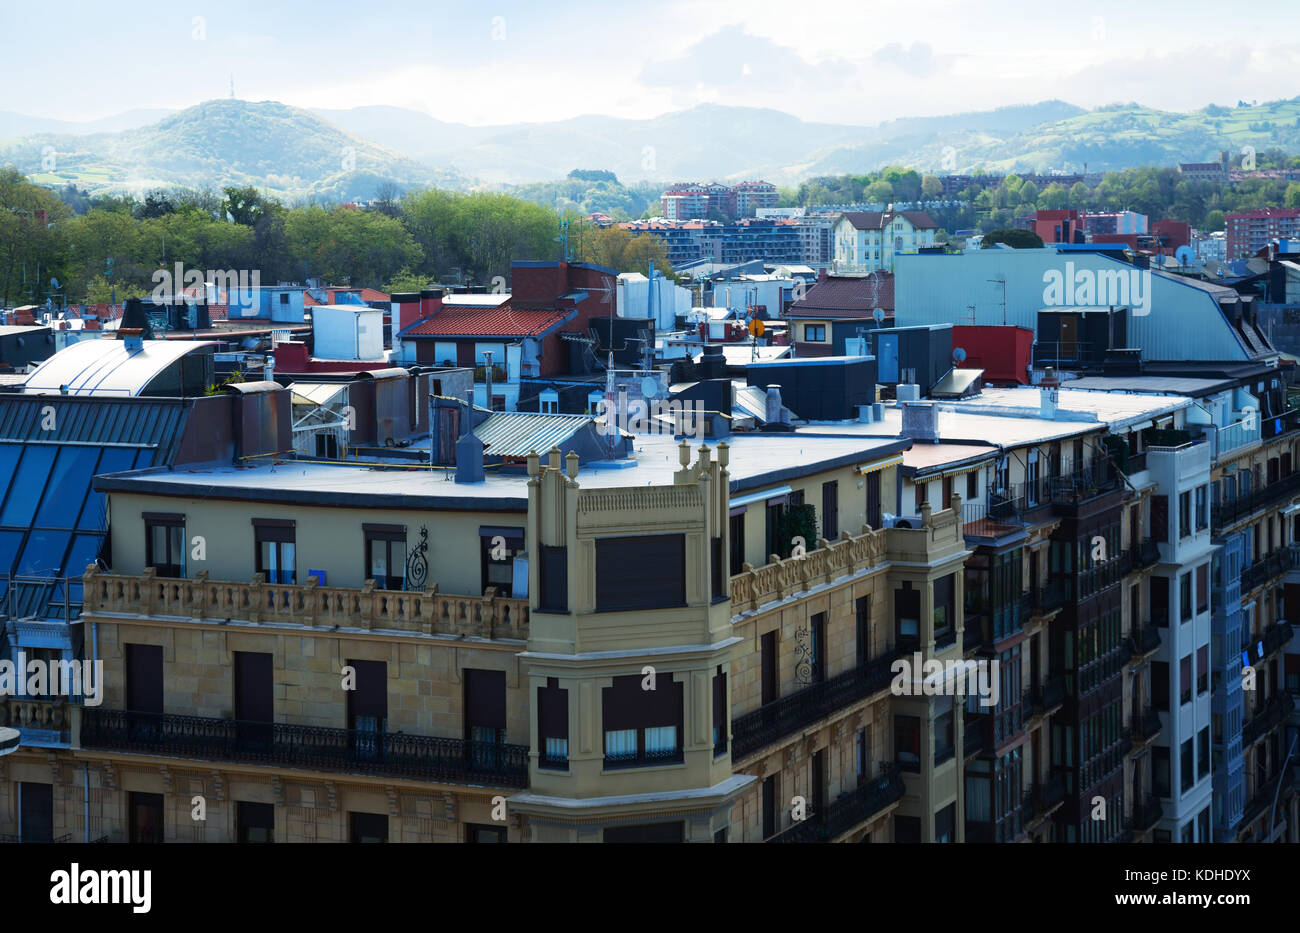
(1015, 238)
(593, 174)
(244, 205)
(623, 251)
(155, 204)
(879, 192)
(1029, 194)
(1292, 197)
(387, 196)
(1054, 198)
(931, 187)
(1214, 221)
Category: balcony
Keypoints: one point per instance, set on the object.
(1143, 555)
(7, 839)
(1147, 814)
(389, 754)
(978, 735)
(1049, 795)
(428, 611)
(1051, 596)
(1049, 696)
(1142, 643)
(850, 810)
(781, 717)
(1082, 486)
(1274, 713)
(1224, 514)
(1271, 565)
(43, 721)
(1262, 801)
(1146, 726)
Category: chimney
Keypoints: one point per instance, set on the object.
(822, 275)
(134, 328)
(920, 421)
(430, 301)
(774, 407)
(469, 456)
(268, 371)
(1048, 394)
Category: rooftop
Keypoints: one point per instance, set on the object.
(488, 320)
(104, 366)
(757, 461)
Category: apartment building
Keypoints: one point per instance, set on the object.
(1250, 231)
(289, 646)
(866, 241)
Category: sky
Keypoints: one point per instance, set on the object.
(500, 61)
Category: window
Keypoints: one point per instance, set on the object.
(164, 543)
(1185, 597)
(1203, 669)
(36, 811)
(386, 555)
(719, 712)
(549, 403)
(367, 709)
(943, 729)
(368, 827)
(769, 806)
(1184, 514)
(254, 822)
(553, 578)
(920, 493)
(553, 725)
(1186, 777)
(873, 499)
(1160, 518)
(1160, 685)
(254, 693)
(1160, 601)
(1203, 826)
(972, 486)
(1185, 680)
(817, 779)
(1203, 752)
(862, 628)
(640, 572)
(144, 679)
(273, 544)
(498, 549)
(944, 823)
(642, 727)
(479, 834)
(830, 510)
(145, 817)
(485, 709)
(817, 648)
(907, 617)
(907, 742)
(814, 333)
(1202, 508)
(1160, 782)
(945, 492)
(944, 604)
(770, 674)
(737, 543)
(863, 755)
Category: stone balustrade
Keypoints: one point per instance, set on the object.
(426, 612)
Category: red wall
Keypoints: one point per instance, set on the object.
(1002, 352)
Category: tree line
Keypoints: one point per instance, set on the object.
(103, 247)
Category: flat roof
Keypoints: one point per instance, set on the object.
(956, 427)
(756, 461)
(925, 457)
(1117, 409)
(1152, 385)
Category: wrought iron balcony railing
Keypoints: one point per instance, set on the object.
(1274, 713)
(1049, 694)
(1141, 642)
(850, 810)
(1146, 725)
(1147, 813)
(396, 754)
(1229, 511)
(788, 714)
(1144, 554)
(1049, 793)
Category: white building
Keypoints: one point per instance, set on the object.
(869, 240)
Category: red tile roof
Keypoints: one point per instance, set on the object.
(849, 297)
(501, 321)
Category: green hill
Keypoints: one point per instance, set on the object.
(286, 151)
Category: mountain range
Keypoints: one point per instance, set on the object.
(339, 154)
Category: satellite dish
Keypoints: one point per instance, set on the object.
(649, 387)
(1185, 256)
(958, 355)
(879, 315)
(54, 284)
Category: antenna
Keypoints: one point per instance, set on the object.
(1002, 280)
(232, 85)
